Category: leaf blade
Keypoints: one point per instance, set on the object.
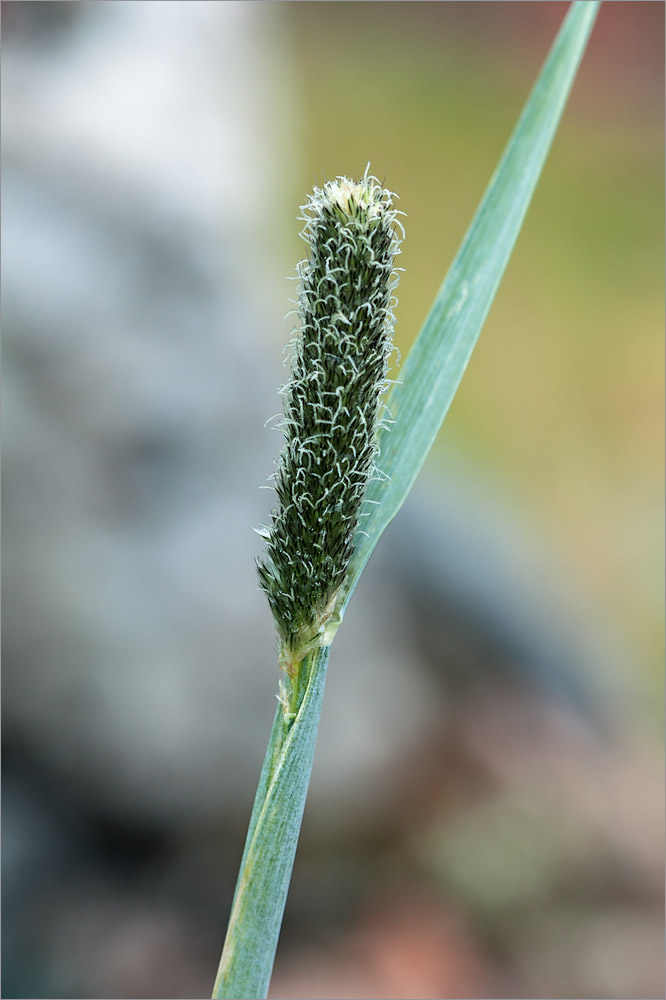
(438, 359)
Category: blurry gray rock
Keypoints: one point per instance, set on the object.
(140, 366)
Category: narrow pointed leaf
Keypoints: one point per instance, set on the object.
(437, 361)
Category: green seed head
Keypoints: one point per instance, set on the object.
(331, 404)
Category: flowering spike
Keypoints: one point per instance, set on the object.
(331, 404)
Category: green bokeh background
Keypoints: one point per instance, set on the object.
(562, 403)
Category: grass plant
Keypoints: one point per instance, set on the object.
(340, 461)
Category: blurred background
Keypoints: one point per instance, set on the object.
(486, 811)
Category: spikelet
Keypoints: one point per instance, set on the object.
(331, 406)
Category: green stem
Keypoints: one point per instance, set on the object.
(256, 914)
